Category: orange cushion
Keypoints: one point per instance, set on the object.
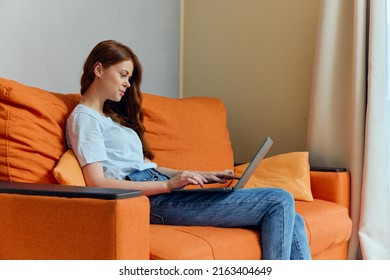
(327, 224)
(68, 171)
(289, 171)
(197, 242)
(188, 133)
(31, 131)
(203, 243)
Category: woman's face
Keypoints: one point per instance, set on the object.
(114, 80)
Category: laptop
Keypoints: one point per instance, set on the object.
(263, 150)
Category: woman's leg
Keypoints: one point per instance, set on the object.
(268, 209)
(300, 249)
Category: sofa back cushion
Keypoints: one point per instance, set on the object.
(188, 133)
(32, 136)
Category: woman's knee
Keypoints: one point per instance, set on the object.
(284, 197)
(279, 197)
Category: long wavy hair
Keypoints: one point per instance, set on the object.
(127, 111)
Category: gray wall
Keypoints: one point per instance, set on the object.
(44, 43)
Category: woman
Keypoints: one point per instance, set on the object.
(106, 132)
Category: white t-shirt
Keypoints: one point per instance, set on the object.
(96, 138)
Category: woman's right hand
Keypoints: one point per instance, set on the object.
(185, 178)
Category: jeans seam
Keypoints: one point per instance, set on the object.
(297, 244)
(284, 219)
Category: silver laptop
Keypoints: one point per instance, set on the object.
(263, 150)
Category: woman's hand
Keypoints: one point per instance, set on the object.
(185, 178)
(219, 176)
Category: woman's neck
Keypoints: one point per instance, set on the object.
(91, 99)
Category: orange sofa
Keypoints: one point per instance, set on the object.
(41, 218)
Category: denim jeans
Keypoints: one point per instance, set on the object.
(271, 211)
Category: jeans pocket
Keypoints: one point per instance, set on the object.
(156, 219)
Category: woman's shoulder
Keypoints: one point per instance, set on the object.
(81, 108)
(84, 116)
(82, 111)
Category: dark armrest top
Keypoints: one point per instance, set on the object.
(327, 169)
(66, 191)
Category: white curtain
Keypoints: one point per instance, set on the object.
(374, 230)
(348, 121)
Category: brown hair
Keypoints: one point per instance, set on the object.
(127, 111)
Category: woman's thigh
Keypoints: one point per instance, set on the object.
(241, 208)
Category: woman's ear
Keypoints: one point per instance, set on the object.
(98, 70)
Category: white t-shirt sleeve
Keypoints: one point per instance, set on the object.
(85, 138)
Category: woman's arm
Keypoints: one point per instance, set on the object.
(94, 177)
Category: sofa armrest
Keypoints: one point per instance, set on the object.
(41, 221)
(331, 184)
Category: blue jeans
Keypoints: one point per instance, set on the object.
(271, 211)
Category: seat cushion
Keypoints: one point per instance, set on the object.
(327, 226)
(32, 135)
(202, 243)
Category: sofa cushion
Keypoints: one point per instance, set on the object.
(31, 131)
(288, 171)
(68, 171)
(188, 133)
(328, 226)
(203, 243)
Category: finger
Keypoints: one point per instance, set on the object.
(228, 171)
(199, 178)
(192, 181)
